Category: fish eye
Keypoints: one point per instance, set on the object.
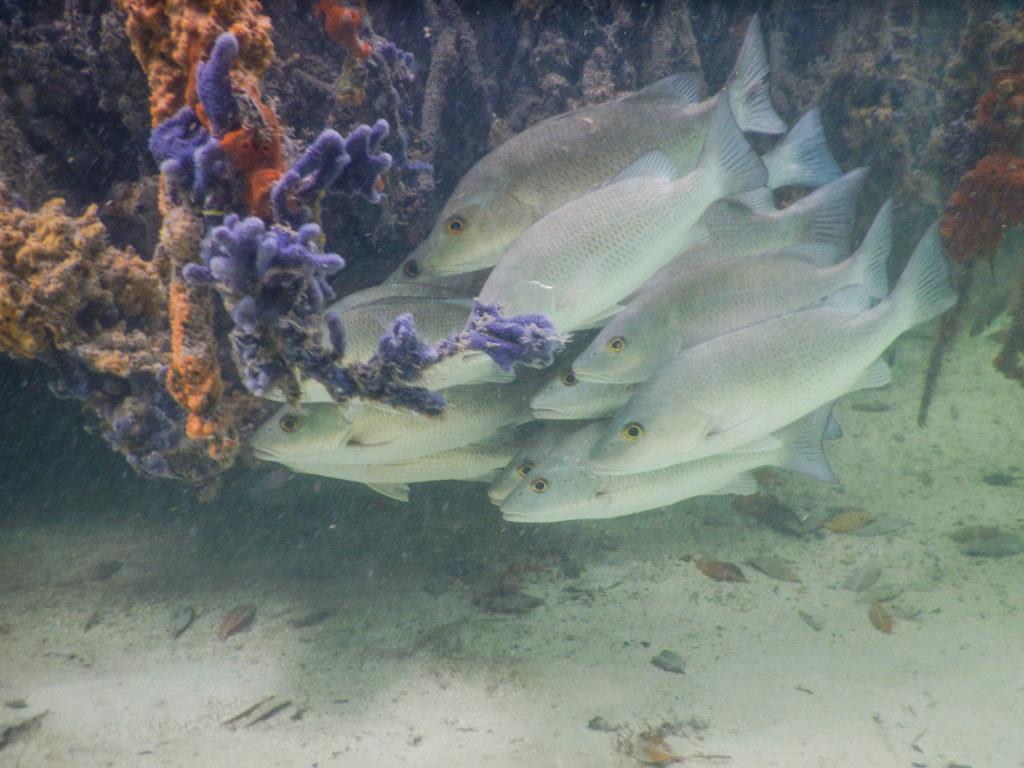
(411, 268)
(616, 344)
(456, 225)
(524, 469)
(289, 423)
(569, 379)
(539, 485)
(633, 431)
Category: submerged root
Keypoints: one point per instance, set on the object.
(949, 326)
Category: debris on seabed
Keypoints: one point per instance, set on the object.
(880, 618)
(312, 619)
(181, 620)
(811, 621)
(719, 570)
(848, 519)
(773, 567)
(238, 619)
(670, 661)
(252, 711)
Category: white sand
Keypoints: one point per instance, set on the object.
(407, 670)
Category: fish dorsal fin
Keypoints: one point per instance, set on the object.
(396, 491)
(852, 298)
(682, 87)
(651, 164)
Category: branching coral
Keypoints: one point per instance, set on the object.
(988, 198)
(170, 37)
(64, 289)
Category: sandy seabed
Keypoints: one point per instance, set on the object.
(417, 665)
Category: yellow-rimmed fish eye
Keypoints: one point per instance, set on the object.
(616, 344)
(456, 225)
(411, 268)
(290, 422)
(539, 485)
(633, 431)
(569, 379)
(524, 469)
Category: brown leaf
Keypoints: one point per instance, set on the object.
(880, 618)
(238, 619)
(720, 570)
(849, 520)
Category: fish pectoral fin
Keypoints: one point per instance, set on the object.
(743, 484)
(397, 491)
(355, 442)
(878, 374)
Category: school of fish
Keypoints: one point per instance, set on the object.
(711, 332)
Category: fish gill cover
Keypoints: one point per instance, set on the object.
(218, 293)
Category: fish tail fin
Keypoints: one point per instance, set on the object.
(871, 259)
(802, 157)
(728, 158)
(821, 223)
(925, 289)
(748, 85)
(802, 451)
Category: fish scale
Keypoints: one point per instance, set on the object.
(581, 259)
(697, 304)
(742, 385)
(368, 433)
(560, 158)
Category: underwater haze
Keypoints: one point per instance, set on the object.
(515, 383)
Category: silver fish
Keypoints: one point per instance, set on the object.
(736, 387)
(532, 449)
(458, 287)
(564, 486)
(559, 159)
(477, 463)
(694, 305)
(820, 225)
(566, 396)
(370, 433)
(582, 258)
